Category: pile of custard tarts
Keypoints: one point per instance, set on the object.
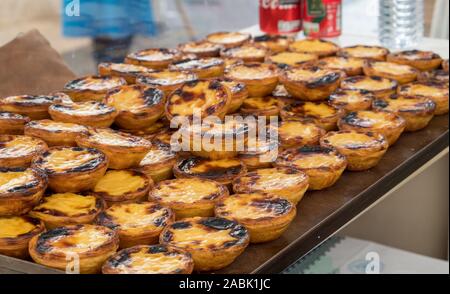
(88, 173)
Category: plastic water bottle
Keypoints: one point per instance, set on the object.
(401, 23)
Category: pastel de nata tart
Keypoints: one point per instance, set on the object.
(154, 58)
(207, 97)
(89, 113)
(265, 216)
(149, 260)
(16, 233)
(129, 72)
(351, 100)
(189, 197)
(55, 133)
(319, 113)
(136, 223)
(92, 245)
(158, 162)
(260, 106)
(92, 88)
(318, 47)
(239, 93)
(166, 80)
(12, 123)
(363, 150)
(123, 150)
(20, 190)
(324, 166)
(274, 43)
(311, 83)
(72, 169)
(401, 73)
(34, 107)
(228, 39)
(137, 106)
(223, 171)
(438, 92)
(248, 53)
(285, 182)
(422, 60)
(445, 65)
(437, 75)
(259, 153)
(261, 79)
(287, 59)
(364, 52)
(351, 66)
(416, 111)
(208, 67)
(18, 150)
(58, 210)
(201, 49)
(122, 186)
(213, 242)
(378, 86)
(386, 123)
(296, 133)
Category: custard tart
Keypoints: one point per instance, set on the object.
(351, 66)
(123, 150)
(285, 182)
(324, 166)
(416, 111)
(401, 73)
(201, 49)
(92, 88)
(311, 83)
(437, 76)
(12, 123)
(239, 93)
(90, 113)
(150, 260)
(155, 58)
(136, 223)
(202, 97)
(261, 79)
(351, 100)
(34, 107)
(386, 123)
(89, 246)
(288, 59)
(58, 210)
(208, 67)
(296, 134)
(137, 106)
(129, 72)
(259, 153)
(378, 86)
(213, 242)
(248, 53)
(318, 47)
(20, 190)
(189, 197)
(422, 60)
(72, 169)
(228, 39)
(275, 44)
(260, 106)
(319, 113)
(166, 80)
(223, 171)
(438, 92)
(265, 216)
(158, 162)
(363, 150)
(55, 133)
(16, 233)
(122, 186)
(18, 150)
(364, 52)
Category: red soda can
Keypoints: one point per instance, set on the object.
(322, 18)
(280, 17)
